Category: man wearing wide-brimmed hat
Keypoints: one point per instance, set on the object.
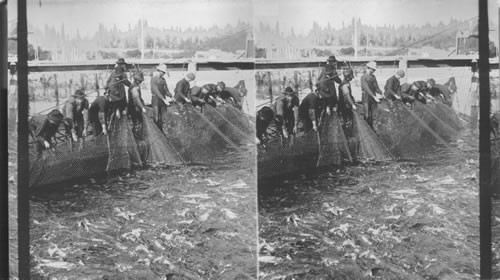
(45, 132)
(160, 95)
(327, 89)
(371, 92)
(76, 111)
(115, 88)
(286, 112)
(136, 107)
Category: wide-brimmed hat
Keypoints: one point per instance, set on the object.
(372, 65)
(121, 60)
(55, 115)
(331, 59)
(79, 93)
(288, 91)
(162, 67)
(139, 77)
(222, 85)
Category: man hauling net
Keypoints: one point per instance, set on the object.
(76, 111)
(160, 95)
(136, 107)
(286, 113)
(371, 92)
(115, 88)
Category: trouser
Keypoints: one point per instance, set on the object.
(158, 109)
(347, 117)
(117, 105)
(369, 107)
(137, 122)
(78, 125)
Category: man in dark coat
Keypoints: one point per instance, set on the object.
(371, 92)
(310, 110)
(182, 89)
(209, 93)
(160, 95)
(115, 87)
(286, 112)
(439, 92)
(45, 131)
(264, 118)
(76, 111)
(414, 91)
(326, 87)
(346, 101)
(136, 107)
(98, 115)
(393, 86)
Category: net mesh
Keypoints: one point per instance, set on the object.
(123, 150)
(409, 132)
(333, 144)
(201, 136)
(369, 146)
(155, 146)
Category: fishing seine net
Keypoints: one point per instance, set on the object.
(155, 146)
(333, 144)
(409, 131)
(123, 150)
(86, 158)
(369, 146)
(200, 136)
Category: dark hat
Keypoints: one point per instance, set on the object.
(121, 60)
(289, 91)
(222, 85)
(431, 82)
(79, 93)
(139, 77)
(331, 59)
(55, 115)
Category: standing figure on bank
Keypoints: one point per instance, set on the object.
(182, 89)
(115, 88)
(370, 92)
(346, 102)
(286, 112)
(136, 107)
(76, 111)
(160, 95)
(326, 87)
(98, 115)
(393, 86)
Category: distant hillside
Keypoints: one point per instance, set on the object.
(49, 42)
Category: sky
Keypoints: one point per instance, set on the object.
(85, 15)
(300, 14)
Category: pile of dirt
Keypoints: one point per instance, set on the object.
(401, 220)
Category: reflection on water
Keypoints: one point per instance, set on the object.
(365, 220)
(193, 222)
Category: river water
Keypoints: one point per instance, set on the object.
(413, 219)
(191, 222)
